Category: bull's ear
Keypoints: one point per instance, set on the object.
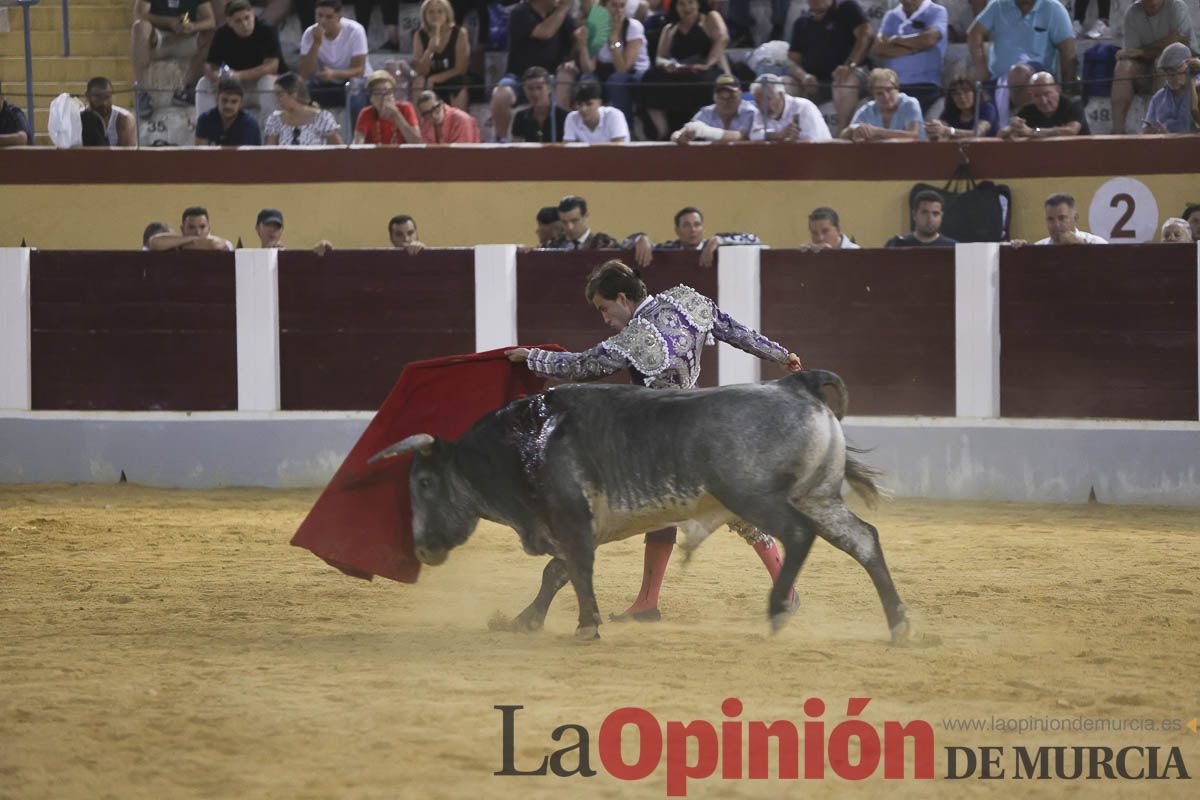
(421, 443)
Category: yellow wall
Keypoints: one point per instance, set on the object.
(464, 214)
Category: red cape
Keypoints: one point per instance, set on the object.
(362, 522)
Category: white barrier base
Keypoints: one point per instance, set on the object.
(1046, 461)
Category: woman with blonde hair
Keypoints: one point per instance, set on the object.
(441, 52)
(658, 339)
(891, 114)
(299, 121)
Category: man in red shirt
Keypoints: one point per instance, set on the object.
(443, 124)
(385, 121)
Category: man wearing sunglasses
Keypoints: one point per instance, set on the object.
(443, 124)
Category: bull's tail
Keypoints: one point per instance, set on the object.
(826, 386)
(864, 480)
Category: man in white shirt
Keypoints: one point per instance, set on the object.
(825, 231)
(782, 117)
(592, 122)
(1062, 223)
(333, 51)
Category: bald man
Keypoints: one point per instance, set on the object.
(1049, 114)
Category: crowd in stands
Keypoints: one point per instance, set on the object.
(567, 225)
(601, 71)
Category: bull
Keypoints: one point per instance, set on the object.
(578, 466)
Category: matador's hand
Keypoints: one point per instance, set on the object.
(793, 363)
(517, 355)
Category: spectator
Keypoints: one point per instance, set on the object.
(1150, 26)
(116, 122)
(443, 124)
(1192, 215)
(299, 121)
(592, 122)
(333, 51)
(245, 51)
(1012, 94)
(549, 227)
(912, 40)
(441, 53)
(1176, 230)
(402, 231)
(1099, 29)
(385, 121)
(1170, 110)
(621, 62)
(890, 115)
(541, 33)
(1033, 32)
(269, 227)
(14, 127)
(194, 234)
(1062, 223)
(689, 232)
(729, 119)
(169, 29)
(742, 20)
(152, 230)
(829, 48)
(927, 224)
(577, 229)
(539, 122)
(1050, 113)
(690, 56)
(825, 231)
(784, 117)
(958, 118)
(228, 125)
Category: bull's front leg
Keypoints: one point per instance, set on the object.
(554, 577)
(579, 568)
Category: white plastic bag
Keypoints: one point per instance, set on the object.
(66, 130)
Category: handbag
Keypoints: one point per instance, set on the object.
(971, 211)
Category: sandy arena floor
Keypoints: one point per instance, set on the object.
(170, 644)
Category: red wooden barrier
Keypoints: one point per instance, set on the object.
(350, 321)
(133, 331)
(882, 320)
(1098, 331)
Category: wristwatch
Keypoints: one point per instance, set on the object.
(617, 45)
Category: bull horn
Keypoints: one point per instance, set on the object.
(419, 442)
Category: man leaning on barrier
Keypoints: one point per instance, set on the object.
(228, 125)
(1050, 113)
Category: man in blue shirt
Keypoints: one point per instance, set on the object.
(228, 125)
(1170, 109)
(1037, 32)
(730, 118)
(912, 40)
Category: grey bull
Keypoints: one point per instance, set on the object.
(581, 465)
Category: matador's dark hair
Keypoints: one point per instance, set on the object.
(613, 278)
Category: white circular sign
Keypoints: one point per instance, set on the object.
(1124, 211)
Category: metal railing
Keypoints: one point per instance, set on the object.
(25, 6)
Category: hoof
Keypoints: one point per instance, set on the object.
(649, 615)
(902, 632)
(524, 623)
(790, 607)
(587, 633)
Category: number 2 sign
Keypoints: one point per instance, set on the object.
(1124, 211)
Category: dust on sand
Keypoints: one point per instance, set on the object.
(172, 644)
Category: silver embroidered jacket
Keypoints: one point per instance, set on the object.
(661, 344)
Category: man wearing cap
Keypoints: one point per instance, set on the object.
(228, 125)
(729, 119)
(1150, 27)
(243, 50)
(269, 228)
(14, 127)
(385, 121)
(1171, 108)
